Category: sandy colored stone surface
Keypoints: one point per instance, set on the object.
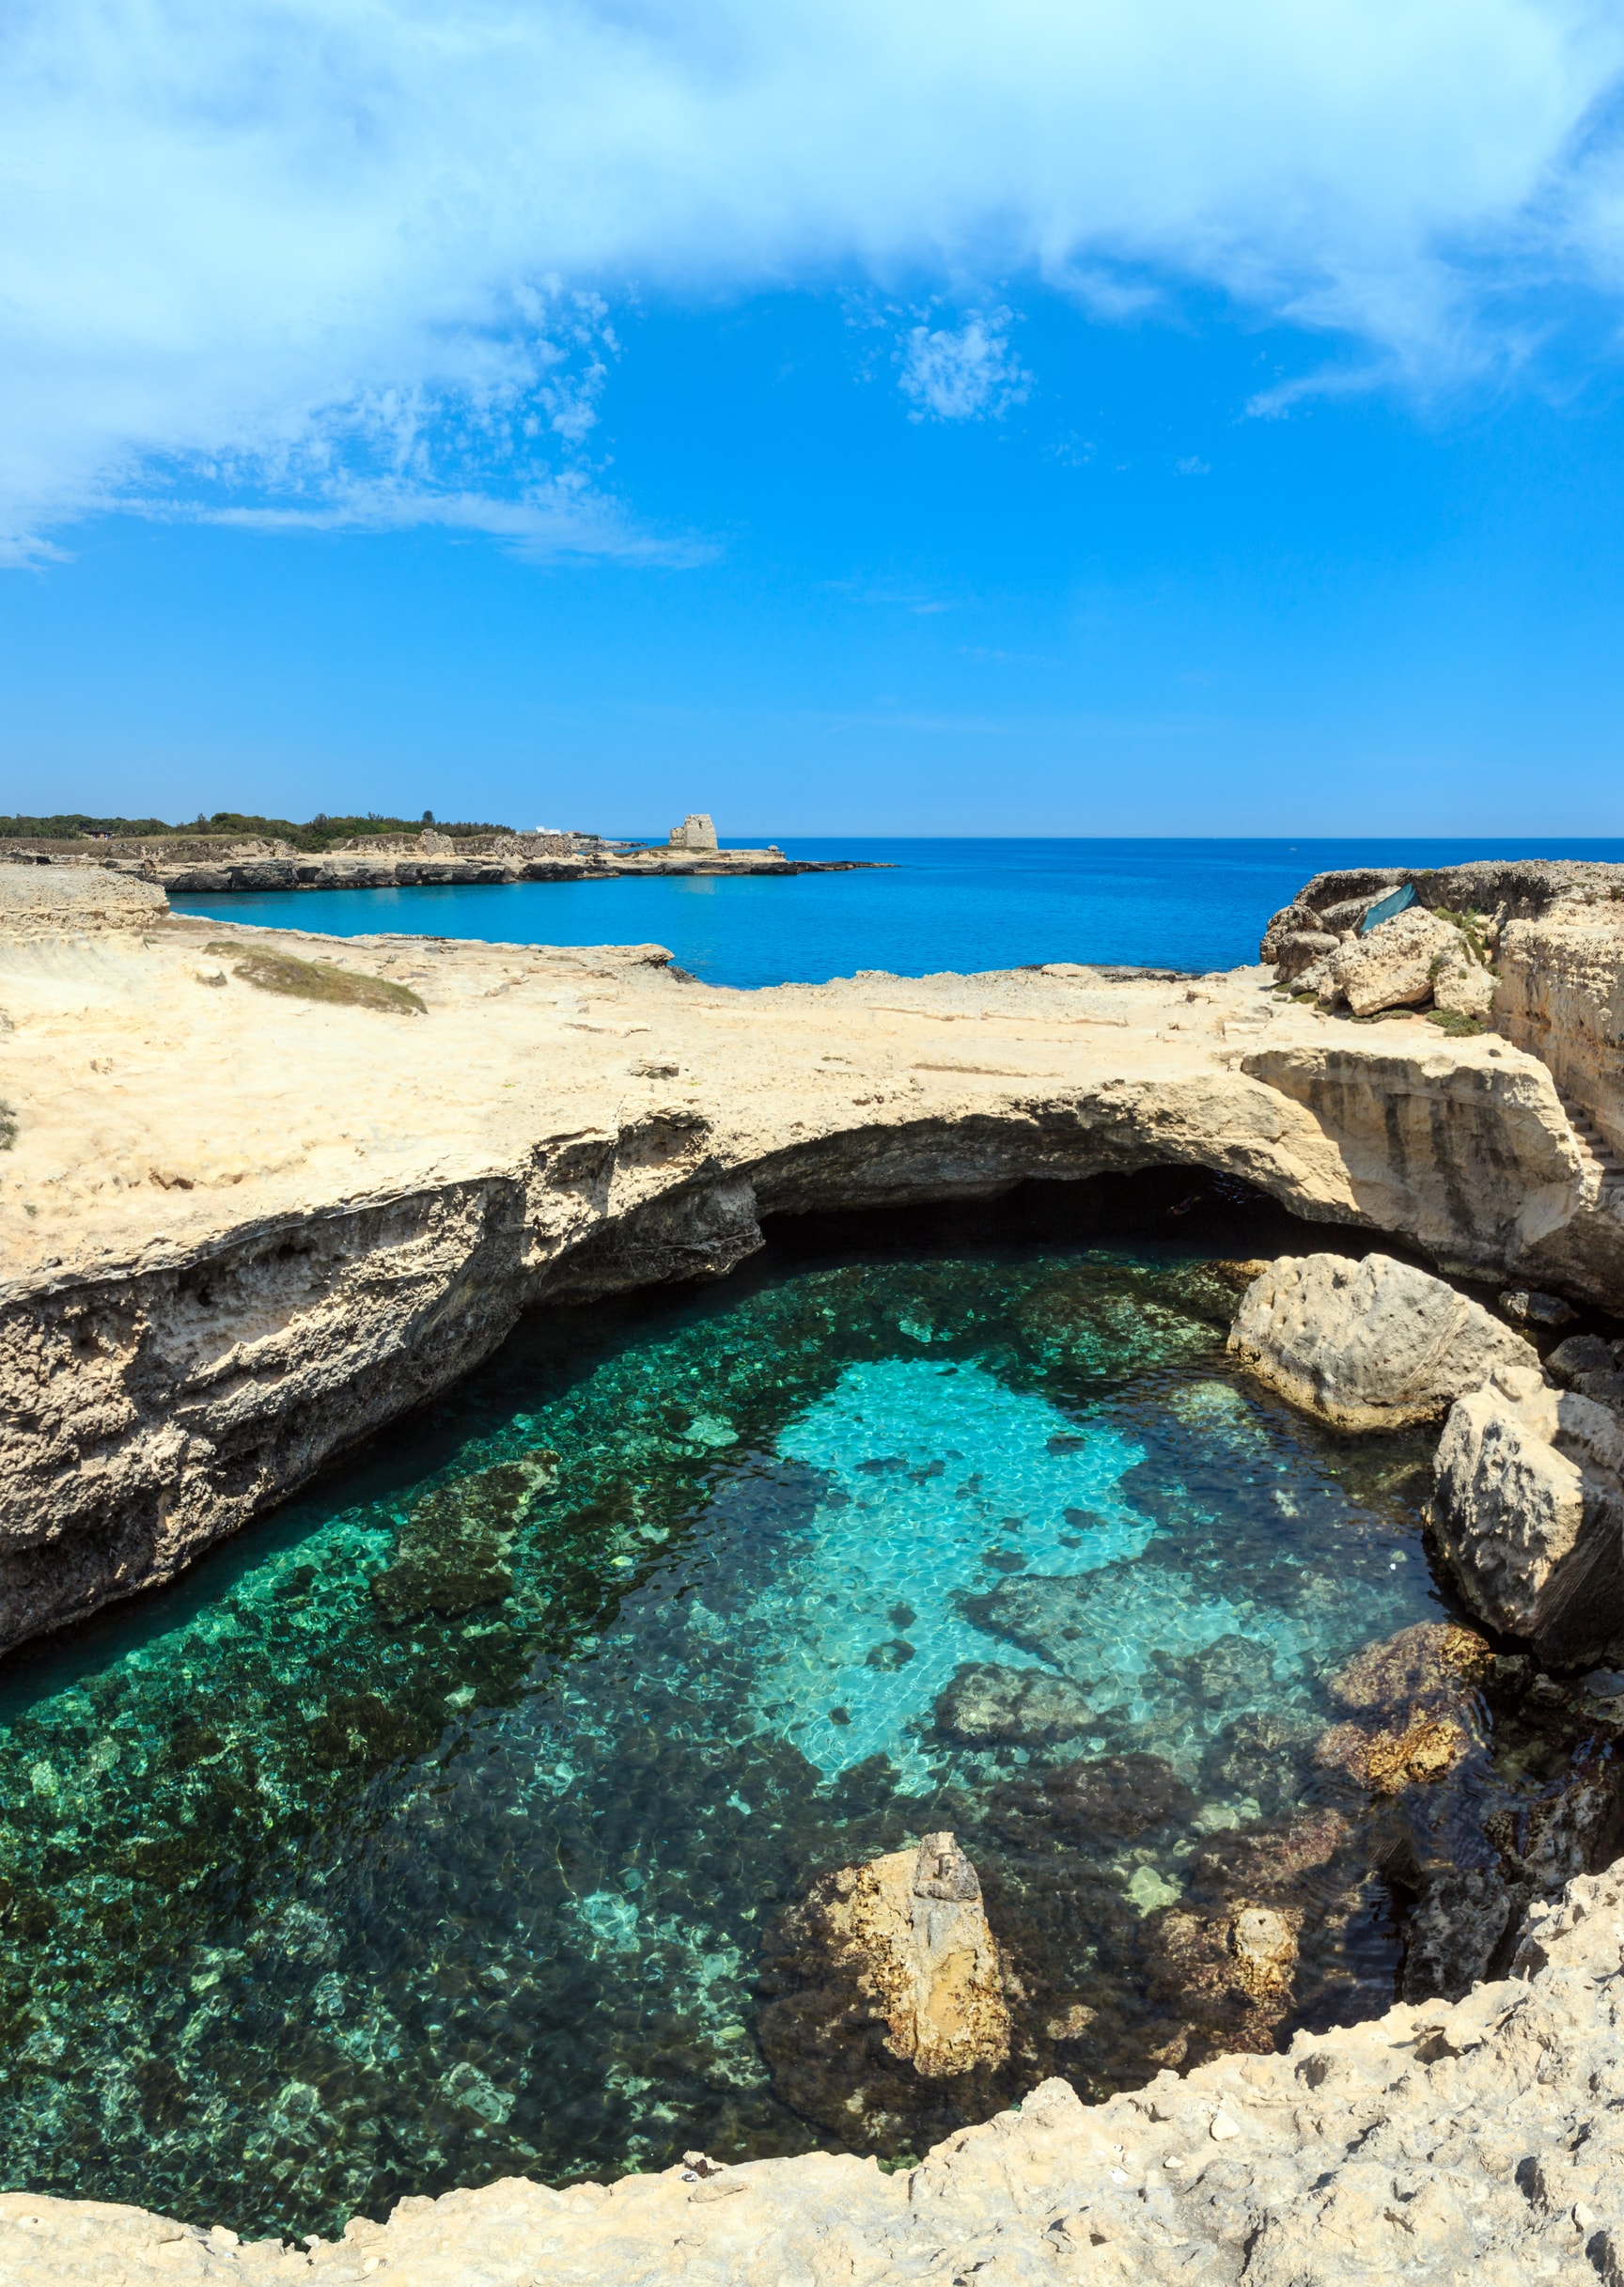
(242, 1230)
(1369, 1345)
(1561, 994)
(1478, 2145)
(46, 902)
(911, 1929)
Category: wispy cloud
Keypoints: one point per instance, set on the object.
(963, 375)
(562, 518)
(259, 251)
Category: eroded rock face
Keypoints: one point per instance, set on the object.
(1296, 955)
(1529, 1513)
(62, 901)
(1369, 1345)
(1562, 997)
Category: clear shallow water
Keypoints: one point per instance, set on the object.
(948, 905)
(443, 1828)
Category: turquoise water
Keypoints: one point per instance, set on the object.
(442, 1828)
(947, 905)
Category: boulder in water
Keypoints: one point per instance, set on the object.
(1369, 1345)
(887, 2020)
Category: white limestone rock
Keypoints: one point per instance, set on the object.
(1464, 987)
(75, 902)
(1370, 1345)
(1528, 1508)
(1395, 966)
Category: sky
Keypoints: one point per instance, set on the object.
(1138, 416)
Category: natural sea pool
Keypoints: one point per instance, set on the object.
(440, 1827)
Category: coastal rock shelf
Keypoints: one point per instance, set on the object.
(246, 1228)
(200, 871)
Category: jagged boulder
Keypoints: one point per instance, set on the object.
(1290, 921)
(1395, 966)
(1528, 1508)
(1302, 952)
(915, 1926)
(1369, 1345)
(889, 2014)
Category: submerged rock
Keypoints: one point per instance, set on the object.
(1387, 1761)
(1107, 1799)
(1369, 1345)
(451, 1555)
(1436, 1664)
(1413, 1696)
(986, 1705)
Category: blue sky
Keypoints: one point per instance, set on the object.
(1039, 418)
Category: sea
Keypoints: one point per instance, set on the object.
(938, 905)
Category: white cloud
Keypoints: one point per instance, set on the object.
(274, 253)
(962, 376)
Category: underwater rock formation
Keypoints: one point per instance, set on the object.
(1369, 1345)
(985, 1703)
(1482, 2139)
(1412, 1700)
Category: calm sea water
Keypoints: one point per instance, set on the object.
(946, 906)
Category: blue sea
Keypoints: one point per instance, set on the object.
(942, 904)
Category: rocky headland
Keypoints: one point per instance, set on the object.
(214, 865)
(268, 1190)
